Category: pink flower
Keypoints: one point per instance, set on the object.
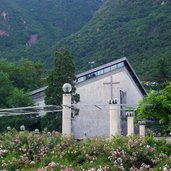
(52, 164)
(67, 169)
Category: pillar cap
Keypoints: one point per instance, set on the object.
(142, 122)
(129, 113)
(113, 101)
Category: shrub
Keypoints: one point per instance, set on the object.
(30, 151)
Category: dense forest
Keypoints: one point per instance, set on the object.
(93, 30)
(29, 28)
(139, 30)
(16, 81)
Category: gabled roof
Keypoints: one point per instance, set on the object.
(42, 89)
(102, 67)
(123, 62)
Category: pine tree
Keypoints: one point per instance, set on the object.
(63, 72)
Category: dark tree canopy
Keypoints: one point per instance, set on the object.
(63, 72)
(6, 89)
(15, 82)
(25, 74)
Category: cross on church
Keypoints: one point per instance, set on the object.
(111, 83)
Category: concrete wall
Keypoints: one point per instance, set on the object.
(91, 119)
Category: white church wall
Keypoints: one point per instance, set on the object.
(39, 101)
(92, 120)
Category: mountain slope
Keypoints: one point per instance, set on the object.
(139, 30)
(31, 27)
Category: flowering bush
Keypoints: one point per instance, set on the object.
(46, 151)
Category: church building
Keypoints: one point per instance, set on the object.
(114, 80)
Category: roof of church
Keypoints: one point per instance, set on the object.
(119, 63)
(123, 62)
(38, 90)
(103, 66)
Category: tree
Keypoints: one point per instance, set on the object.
(63, 72)
(6, 89)
(157, 105)
(14, 81)
(28, 74)
(163, 73)
(10, 97)
(19, 98)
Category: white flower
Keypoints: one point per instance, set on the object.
(32, 162)
(148, 146)
(52, 164)
(165, 169)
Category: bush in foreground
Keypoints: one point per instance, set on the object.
(51, 152)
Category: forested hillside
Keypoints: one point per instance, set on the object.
(94, 30)
(137, 29)
(30, 27)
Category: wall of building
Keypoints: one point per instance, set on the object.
(93, 118)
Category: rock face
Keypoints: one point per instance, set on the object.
(3, 33)
(33, 39)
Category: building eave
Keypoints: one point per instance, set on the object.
(127, 65)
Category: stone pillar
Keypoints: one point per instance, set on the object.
(66, 115)
(114, 112)
(142, 131)
(130, 123)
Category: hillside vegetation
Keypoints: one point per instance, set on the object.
(139, 30)
(94, 30)
(28, 28)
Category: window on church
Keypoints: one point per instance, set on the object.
(119, 65)
(100, 72)
(107, 70)
(96, 73)
(81, 79)
(113, 67)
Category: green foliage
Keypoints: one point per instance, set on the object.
(6, 89)
(25, 74)
(30, 122)
(52, 121)
(28, 75)
(50, 20)
(142, 35)
(63, 72)
(51, 151)
(157, 105)
(19, 98)
(163, 75)
(16, 80)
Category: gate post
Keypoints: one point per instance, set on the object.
(66, 111)
(114, 113)
(130, 123)
(142, 128)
